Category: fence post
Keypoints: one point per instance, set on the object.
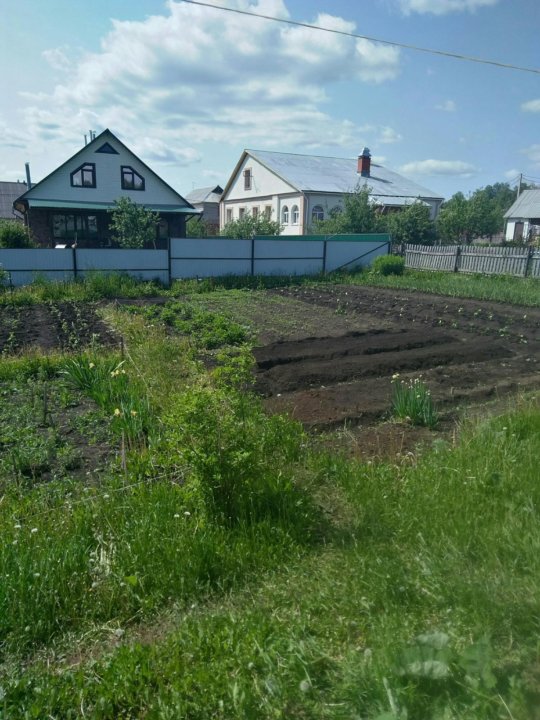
(74, 259)
(458, 255)
(324, 256)
(252, 256)
(528, 262)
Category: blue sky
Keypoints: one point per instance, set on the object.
(188, 88)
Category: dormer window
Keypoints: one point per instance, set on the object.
(247, 179)
(84, 176)
(131, 180)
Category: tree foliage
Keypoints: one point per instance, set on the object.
(359, 215)
(480, 215)
(199, 227)
(132, 225)
(14, 234)
(249, 226)
(412, 225)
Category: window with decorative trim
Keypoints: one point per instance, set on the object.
(268, 211)
(241, 213)
(247, 179)
(317, 214)
(295, 212)
(228, 215)
(84, 176)
(255, 212)
(131, 180)
(285, 215)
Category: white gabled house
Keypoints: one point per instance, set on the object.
(523, 217)
(72, 203)
(297, 190)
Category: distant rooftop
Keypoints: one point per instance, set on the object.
(205, 194)
(315, 173)
(9, 192)
(527, 205)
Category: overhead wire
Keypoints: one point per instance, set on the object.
(358, 36)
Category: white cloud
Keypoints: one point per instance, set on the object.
(438, 167)
(443, 7)
(533, 153)
(511, 174)
(56, 58)
(389, 135)
(531, 106)
(194, 75)
(447, 106)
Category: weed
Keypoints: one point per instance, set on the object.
(411, 401)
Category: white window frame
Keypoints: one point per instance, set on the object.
(285, 215)
(295, 215)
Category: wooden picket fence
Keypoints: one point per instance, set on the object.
(520, 262)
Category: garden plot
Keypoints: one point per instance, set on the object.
(52, 326)
(467, 352)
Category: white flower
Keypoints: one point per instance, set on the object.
(33, 530)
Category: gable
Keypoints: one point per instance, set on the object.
(264, 182)
(107, 156)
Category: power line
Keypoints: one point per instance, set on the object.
(444, 53)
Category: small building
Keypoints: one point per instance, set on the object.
(9, 192)
(298, 190)
(207, 201)
(523, 217)
(72, 204)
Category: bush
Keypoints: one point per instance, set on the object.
(388, 265)
(14, 234)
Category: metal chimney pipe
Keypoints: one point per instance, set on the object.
(28, 179)
(85, 140)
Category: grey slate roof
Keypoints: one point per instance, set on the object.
(527, 205)
(205, 194)
(9, 192)
(314, 173)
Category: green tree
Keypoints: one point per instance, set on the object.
(14, 234)
(132, 225)
(359, 215)
(412, 225)
(198, 227)
(249, 226)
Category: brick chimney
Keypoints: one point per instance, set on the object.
(364, 163)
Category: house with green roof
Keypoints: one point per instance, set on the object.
(73, 203)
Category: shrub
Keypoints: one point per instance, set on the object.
(388, 265)
(14, 234)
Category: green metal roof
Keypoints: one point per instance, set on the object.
(77, 205)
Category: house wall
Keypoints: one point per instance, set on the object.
(510, 228)
(108, 179)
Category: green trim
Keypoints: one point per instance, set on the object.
(82, 205)
(365, 237)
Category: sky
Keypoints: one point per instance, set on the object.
(187, 88)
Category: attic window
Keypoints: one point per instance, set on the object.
(108, 149)
(84, 176)
(247, 179)
(131, 180)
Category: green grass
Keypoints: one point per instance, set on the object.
(424, 603)
(412, 402)
(497, 288)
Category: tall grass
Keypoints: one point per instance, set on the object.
(424, 606)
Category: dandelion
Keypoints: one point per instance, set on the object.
(176, 515)
(133, 413)
(91, 365)
(117, 412)
(187, 513)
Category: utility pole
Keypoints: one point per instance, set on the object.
(519, 184)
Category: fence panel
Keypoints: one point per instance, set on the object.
(422, 257)
(210, 257)
(534, 265)
(24, 265)
(288, 255)
(494, 260)
(142, 264)
(354, 251)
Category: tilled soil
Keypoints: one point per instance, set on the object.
(52, 326)
(466, 351)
